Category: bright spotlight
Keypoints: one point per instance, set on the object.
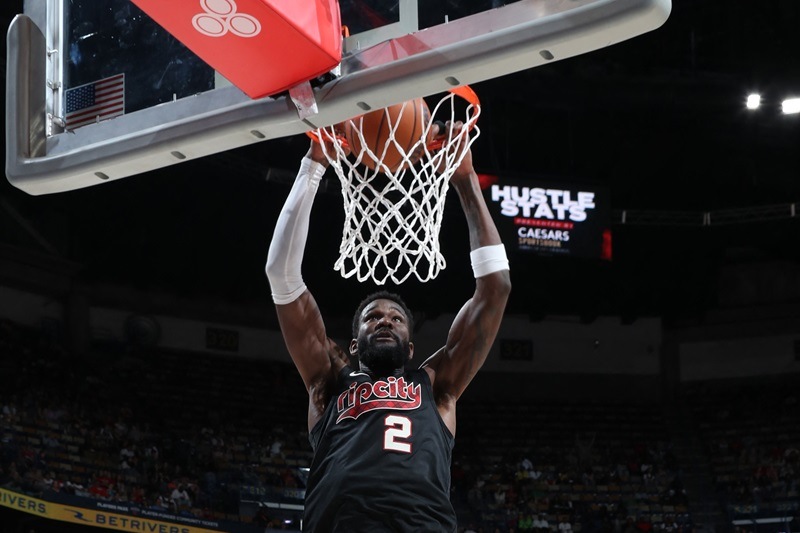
(753, 101)
(791, 106)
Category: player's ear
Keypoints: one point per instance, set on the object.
(353, 347)
(410, 351)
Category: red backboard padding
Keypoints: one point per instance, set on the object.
(261, 46)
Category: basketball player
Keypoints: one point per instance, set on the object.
(383, 435)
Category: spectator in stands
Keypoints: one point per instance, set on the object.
(525, 522)
(77, 487)
(499, 496)
(512, 495)
(180, 498)
(541, 525)
(668, 525)
(127, 452)
(276, 448)
(622, 472)
(10, 411)
(49, 480)
(137, 495)
(162, 503)
(526, 464)
(564, 525)
(99, 487)
(643, 524)
(629, 526)
(587, 478)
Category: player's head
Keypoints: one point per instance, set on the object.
(382, 328)
(381, 295)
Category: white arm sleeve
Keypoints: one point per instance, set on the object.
(291, 231)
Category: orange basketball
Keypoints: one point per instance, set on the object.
(408, 121)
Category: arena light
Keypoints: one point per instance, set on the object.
(791, 106)
(753, 101)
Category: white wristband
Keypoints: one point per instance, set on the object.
(488, 259)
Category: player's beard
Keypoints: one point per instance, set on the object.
(383, 359)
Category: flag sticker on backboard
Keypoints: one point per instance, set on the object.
(94, 102)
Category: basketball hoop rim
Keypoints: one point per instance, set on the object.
(392, 223)
(463, 91)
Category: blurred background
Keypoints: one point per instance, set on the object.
(674, 343)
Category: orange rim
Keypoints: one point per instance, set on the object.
(464, 91)
(339, 137)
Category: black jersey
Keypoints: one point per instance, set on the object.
(381, 459)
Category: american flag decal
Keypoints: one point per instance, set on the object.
(96, 101)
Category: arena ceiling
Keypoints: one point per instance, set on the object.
(659, 121)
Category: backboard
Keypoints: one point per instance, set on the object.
(161, 104)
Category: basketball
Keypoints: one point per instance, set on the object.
(407, 120)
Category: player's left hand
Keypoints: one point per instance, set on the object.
(322, 143)
(451, 130)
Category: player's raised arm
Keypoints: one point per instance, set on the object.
(475, 327)
(314, 354)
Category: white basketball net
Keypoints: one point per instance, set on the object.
(393, 218)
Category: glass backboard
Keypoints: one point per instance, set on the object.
(97, 91)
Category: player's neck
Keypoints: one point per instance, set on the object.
(381, 372)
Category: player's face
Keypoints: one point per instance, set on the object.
(383, 337)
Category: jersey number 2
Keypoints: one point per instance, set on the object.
(397, 428)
